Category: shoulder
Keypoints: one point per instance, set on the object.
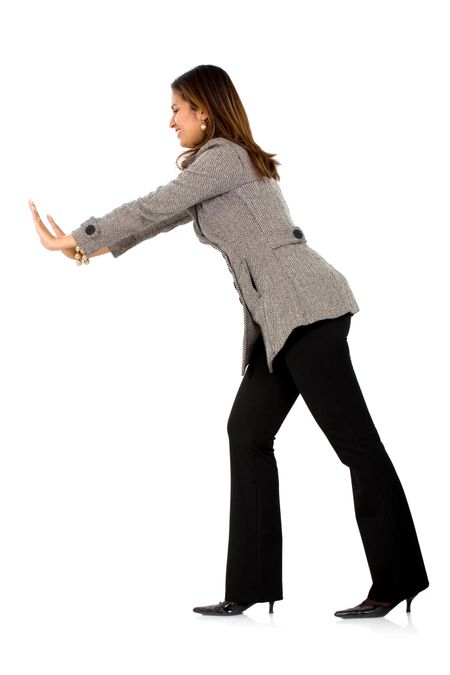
(220, 154)
(216, 150)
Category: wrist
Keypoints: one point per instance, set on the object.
(62, 243)
(70, 241)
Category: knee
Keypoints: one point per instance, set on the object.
(244, 436)
(237, 429)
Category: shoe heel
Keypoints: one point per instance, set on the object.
(271, 606)
(408, 603)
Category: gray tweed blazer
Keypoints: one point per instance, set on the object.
(282, 282)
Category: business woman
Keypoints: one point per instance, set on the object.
(297, 311)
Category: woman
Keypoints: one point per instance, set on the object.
(297, 312)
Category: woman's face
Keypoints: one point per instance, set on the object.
(186, 121)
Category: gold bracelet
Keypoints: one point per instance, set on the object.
(80, 256)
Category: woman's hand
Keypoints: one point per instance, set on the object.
(61, 242)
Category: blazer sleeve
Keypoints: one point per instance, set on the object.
(120, 247)
(214, 171)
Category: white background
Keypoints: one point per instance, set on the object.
(118, 377)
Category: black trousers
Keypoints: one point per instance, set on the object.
(314, 362)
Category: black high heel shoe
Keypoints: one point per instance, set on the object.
(228, 608)
(372, 609)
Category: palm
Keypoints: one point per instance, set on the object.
(60, 233)
(46, 237)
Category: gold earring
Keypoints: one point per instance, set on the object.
(203, 126)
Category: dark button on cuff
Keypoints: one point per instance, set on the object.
(90, 229)
(298, 233)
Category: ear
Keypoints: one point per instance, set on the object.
(201, 115)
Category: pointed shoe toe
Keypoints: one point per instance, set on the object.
(371, 609)
(227, 608)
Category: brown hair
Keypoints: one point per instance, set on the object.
(211, 88)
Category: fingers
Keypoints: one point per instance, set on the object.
(33, 209)
(62, 241)
(57, 229)
(36, 217)
(45, 235)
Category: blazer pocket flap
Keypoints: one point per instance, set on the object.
(294, 236)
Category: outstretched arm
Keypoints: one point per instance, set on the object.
(66, 243)
(215, 170)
